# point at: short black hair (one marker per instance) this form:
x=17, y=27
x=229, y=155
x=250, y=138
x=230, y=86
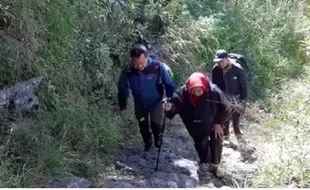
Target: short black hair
x=138, y=50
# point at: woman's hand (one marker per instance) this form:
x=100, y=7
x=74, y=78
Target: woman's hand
x=167, y=105
x=219, y=133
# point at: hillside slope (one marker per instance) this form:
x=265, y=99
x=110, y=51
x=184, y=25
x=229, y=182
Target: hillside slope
x=79, y=48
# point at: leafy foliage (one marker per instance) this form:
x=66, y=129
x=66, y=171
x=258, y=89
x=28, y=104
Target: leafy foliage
x=79, y=47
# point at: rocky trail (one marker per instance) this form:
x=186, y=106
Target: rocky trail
x=178, y=166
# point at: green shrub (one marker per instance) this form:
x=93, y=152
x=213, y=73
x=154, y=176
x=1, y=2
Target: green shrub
x=79, y=47
x=267, y=31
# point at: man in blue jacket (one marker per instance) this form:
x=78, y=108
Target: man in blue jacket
x=147, y=79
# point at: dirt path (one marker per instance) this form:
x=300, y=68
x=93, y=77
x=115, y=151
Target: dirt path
x=178, y=165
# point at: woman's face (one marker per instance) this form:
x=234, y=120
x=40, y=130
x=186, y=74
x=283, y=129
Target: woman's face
x=197, y=91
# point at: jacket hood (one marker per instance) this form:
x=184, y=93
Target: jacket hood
x=197, y=79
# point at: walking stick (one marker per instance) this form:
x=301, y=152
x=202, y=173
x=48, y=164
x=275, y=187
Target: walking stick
x=161, y=141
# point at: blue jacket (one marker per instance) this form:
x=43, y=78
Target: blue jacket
x=147, y=86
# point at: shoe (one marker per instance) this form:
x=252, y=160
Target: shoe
x=206, y=167
x=147, y=147
x=240, y=138
x=218, y=171
x=237, y=131
x=204, y=172
x=226, y=138
x=157, y=142
x=226, y=135
x=146, y=152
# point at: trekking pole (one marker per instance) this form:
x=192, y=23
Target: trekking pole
x=161, y=141
x=161, y=138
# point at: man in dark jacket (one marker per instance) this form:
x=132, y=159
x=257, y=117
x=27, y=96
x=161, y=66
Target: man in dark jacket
x=147, y=79
x=229, y=76
x=200, y=106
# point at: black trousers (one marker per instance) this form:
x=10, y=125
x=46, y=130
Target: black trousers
x=150, y=121
x=235, y=117
x=209, y=146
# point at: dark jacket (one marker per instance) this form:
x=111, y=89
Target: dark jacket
x=232, y=81
x=200, y=119
x=147, y=86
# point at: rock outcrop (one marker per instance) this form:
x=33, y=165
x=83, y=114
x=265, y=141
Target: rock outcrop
x=21, y=97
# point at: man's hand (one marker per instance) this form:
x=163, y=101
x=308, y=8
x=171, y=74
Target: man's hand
x=219, y=133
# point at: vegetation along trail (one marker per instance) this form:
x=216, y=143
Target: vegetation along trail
x=60, y=124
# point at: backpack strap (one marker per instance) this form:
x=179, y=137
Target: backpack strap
x=240, y=59
x=156, y=68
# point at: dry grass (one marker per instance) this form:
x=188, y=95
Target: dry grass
x=282, y=137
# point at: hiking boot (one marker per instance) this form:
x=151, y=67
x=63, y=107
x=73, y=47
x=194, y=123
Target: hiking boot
x=237, y=131
x=226, y=129
x=147, y=151
x=157, y=142
x=218, y=171
x=226, y=134
x=240, y=138
x=205, y=167
x=147, y=147
x=204, y=172
x=226, y=138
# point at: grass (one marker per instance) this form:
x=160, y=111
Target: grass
x=266, y=32
x=285, y=150
x=79, y=48
x=55, y=141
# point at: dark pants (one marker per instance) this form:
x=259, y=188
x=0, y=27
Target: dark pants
x=207, y=144
x=150, y=121
x=235, y=117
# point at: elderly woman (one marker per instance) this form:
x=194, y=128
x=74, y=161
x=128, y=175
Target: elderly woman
x=199, y=104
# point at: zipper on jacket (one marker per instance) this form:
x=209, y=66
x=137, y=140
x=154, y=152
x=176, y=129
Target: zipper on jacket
x=141, y=86
x=225, y=80
x=228, y=67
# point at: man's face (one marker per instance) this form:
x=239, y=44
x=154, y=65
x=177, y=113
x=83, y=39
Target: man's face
x=223, y=63
x=197, y=91
x=139, y=62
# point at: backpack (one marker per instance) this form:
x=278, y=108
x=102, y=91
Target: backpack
x=160, y=85
x=154, y=57
x=169, y=70
x=242, y=61
x=239, y=59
